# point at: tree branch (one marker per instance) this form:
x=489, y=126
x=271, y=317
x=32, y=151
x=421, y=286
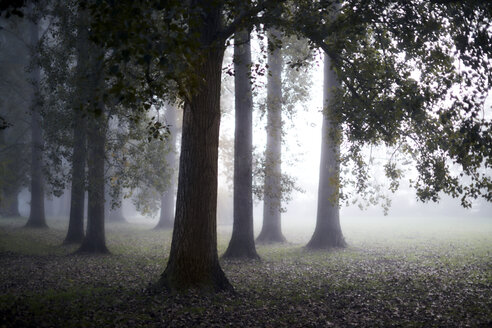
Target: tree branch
x=246, y=15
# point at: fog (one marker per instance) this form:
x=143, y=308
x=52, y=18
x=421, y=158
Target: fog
x=300, y=153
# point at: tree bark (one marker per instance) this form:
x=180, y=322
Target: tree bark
x=166, y=219
x=36, y=216
x=95, y=240
x=75, y=233
x=193, y=261
x=242, y=244
x=271, y=231
x=328, y=232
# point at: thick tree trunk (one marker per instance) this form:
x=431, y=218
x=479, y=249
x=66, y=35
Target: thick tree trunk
x=95, y=240
x=193, y=261
x=75, y=233
x=328, y=232
x=271, y=231
x=97, y=124
x=166, y=219
x=36, y=216
x=242, y=244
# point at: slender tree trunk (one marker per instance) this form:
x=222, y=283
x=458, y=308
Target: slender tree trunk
x=75, y=233
x=36, y=216
x=328, y=232
x=242, y=244
x=166, y=219
x=193, y=261
x=271, y=231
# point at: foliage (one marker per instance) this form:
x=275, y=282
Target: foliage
x=134, y=162
x=414, y=77
x=139, y=165
x=15, y=92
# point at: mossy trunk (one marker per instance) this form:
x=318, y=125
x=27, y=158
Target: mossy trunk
x=242, y=244
x=328, y=232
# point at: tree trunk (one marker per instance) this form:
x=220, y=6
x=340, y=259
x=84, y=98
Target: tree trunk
x=75, y=233
x=328, y=232
x=242, y=244
x=193, y=261
x=271, y=231
x=166, y=219
x=36, y=216
x=95, y=240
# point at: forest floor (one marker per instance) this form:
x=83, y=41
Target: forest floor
x=391, y=274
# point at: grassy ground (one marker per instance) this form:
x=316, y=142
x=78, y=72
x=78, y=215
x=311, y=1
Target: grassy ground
x=394, y=273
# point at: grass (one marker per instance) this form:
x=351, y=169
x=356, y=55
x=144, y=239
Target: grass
x=394, y=273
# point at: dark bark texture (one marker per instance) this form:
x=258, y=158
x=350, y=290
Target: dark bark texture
x=242, y=244
x=95, y=240
x=193, y=260
x=328, y=232
x=75, y=233
x=166, y=218
x=37, y=217
x=97, y=124
x=271, y=231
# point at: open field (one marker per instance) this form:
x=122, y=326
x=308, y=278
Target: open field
x=394, y=273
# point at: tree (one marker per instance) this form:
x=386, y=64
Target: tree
x=193, y=261
x=272, y=229
x=242, y=244
x=367, y=49
x=75, y=233
x=36, y=216
x=166, y=217
x=328, y=232
x=95, y=239
x=16, y=92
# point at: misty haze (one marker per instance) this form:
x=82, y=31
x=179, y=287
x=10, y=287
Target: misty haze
x=229, y=163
